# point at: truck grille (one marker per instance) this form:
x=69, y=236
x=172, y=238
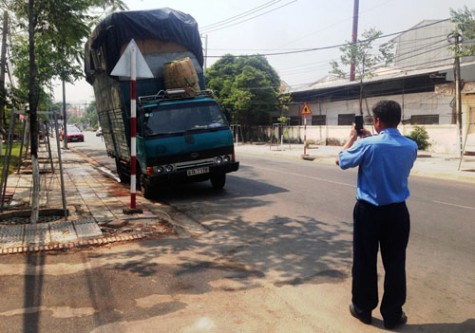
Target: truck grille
x=194, y=164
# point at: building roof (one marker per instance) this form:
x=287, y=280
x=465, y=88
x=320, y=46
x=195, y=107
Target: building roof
x=394, y=81
x=412, y=63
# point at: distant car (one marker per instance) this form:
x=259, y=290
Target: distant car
x=99, y=131
x=74, y=134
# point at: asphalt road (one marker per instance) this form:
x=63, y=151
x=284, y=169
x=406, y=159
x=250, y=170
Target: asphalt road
x=277, y=258
x=281, y=193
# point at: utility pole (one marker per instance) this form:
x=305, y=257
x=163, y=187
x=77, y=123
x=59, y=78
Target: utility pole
x=65, y=120
x=458, y=89
x=354, y=38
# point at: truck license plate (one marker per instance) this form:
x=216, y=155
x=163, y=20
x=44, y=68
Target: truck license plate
x=198, y=171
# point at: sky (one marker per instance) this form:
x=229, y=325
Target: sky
x=286, y=26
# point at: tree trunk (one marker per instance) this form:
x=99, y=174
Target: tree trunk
x=3, y=65
x=33, y=102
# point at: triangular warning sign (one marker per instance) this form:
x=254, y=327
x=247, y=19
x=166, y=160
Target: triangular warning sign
x=305, y=110
x=124, y=65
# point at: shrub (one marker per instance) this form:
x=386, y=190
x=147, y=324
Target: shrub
x=420, y=136
x=14, y=158
x=334, y=142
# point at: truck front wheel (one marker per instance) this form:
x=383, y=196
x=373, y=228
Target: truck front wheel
x=218, y=180
x=146, y=187
x=123, y=172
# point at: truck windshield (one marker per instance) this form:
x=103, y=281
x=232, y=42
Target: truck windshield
x=179, y=118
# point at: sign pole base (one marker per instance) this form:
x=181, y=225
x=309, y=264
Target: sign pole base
x=130, y=211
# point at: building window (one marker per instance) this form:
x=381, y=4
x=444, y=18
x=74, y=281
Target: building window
x=319, y=120
x=295, y=121
x=346, y=119
x=425, y=119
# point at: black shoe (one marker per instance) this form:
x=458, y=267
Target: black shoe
x=363, y=317
x=392, y=325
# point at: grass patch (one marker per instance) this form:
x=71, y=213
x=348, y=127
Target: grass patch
x=14, y=158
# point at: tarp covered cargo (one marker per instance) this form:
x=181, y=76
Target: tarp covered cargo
x=104, y=47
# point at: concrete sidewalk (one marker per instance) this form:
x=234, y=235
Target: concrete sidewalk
x=96, y=209
x=96, y=203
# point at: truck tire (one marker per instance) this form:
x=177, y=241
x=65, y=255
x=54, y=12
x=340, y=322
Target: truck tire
x=124, y=175
x=145, y=187
x=218, y=180
x=138, y=177
x=124, y=179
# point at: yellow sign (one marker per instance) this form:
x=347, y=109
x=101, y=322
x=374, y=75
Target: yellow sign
x=305, y=110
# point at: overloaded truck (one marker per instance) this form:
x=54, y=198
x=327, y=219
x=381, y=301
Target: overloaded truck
x=182, y=134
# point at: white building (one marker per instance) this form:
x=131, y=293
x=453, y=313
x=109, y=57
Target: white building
x=421, y=80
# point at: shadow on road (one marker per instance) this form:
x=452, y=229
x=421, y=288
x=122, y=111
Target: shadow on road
x=281, y=250
x=468, y=326
x=33, y=291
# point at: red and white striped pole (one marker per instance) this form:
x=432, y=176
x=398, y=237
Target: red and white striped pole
x=133, y=127
x=132, y=64
x=305, y=135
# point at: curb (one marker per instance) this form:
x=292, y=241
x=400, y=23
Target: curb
x=69, y=245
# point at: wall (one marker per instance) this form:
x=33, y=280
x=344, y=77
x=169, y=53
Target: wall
x=412, y=104
x=444, y=139
x=468, y=111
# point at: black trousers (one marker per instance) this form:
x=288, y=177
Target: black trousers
x=386, y=227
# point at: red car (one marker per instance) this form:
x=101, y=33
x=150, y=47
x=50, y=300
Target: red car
x=73, y=134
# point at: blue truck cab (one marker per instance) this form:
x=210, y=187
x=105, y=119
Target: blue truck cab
x=182, y=139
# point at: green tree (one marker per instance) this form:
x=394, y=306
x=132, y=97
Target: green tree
x=464, y=20
x=248, y=86
x=52, y=48
x=57, y=32
x=90, y=118
x=365, y=59
x=284, y=100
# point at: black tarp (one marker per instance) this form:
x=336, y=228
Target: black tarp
x=118, y=28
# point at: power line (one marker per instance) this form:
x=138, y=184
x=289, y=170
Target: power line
x=400, y=57
x=330, y=46
x=336, y=23
x=232, y=21
x=387, y=71
x=412, y=54
x=243, y=14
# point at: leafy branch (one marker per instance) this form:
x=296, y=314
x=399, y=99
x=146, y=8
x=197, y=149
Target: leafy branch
x=363, y=56
x=464, y=20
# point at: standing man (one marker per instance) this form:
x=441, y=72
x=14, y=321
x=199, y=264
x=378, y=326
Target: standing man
x=381, y=218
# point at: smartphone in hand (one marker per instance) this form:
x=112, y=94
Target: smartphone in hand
x=359, y=124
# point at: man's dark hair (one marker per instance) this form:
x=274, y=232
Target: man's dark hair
x=389, y=112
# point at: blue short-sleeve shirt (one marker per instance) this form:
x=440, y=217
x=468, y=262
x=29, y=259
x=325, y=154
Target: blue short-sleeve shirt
x=384, y=162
